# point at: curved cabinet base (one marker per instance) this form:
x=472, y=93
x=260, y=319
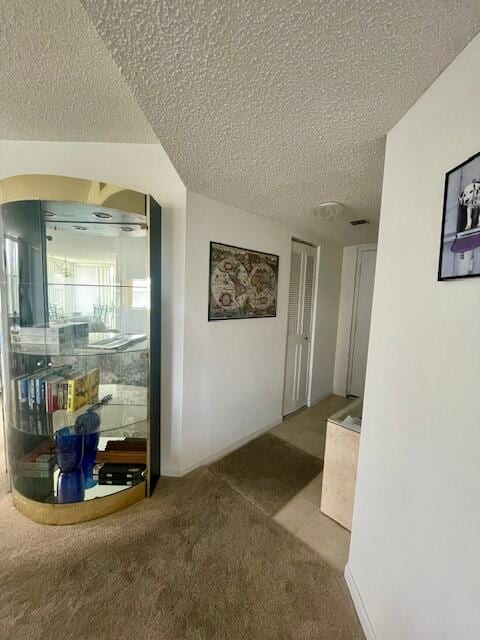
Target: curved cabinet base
x=61, y=514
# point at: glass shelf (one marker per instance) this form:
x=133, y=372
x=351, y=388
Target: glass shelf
x=126, y=411
x=127, y=408
x=41, y=349
x=45, y=485
x=98, y=491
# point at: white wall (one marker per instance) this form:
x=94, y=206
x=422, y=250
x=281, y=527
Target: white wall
x=415, y=553
x=145, y=168
x=328, y=295
x=345, y=315
x=234, y=370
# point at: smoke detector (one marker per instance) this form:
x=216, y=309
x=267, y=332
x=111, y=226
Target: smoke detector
x=329, y=211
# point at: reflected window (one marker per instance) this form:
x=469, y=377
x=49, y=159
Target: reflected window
x=94, y=296
x=140, y=293
x=13, y=273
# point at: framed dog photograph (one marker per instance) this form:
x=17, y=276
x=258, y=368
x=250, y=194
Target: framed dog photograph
x=460, y=241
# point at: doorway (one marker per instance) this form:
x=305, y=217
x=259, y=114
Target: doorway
x=362, y=311
x=300, y=323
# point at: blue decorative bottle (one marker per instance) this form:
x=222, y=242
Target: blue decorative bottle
x=69, y=444
x=88, y=425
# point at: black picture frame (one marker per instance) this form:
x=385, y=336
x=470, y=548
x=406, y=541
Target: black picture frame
x=214, y=317
x=441, y=276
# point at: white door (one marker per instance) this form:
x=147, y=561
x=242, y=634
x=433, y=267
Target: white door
x=300, y=312
x=362, y=312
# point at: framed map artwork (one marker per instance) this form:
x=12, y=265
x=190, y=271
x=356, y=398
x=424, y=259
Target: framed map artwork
x=243, y=283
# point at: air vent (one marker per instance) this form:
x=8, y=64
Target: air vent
x=360, y=221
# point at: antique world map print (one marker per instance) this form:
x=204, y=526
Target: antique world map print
x=243, y=283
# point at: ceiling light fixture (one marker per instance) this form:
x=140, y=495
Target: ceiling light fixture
x=126, y=228
x=80, y=228
x=329, y=211
x=62, y=267
x=47, y=214
x=105, y=216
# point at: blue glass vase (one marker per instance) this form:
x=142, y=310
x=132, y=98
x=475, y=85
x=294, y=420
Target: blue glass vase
x=88, y=424
x=70, y=486
x=69, y=445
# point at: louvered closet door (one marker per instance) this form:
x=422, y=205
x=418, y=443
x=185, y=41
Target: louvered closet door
x=300, y=317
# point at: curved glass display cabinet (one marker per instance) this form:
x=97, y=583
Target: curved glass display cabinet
x=80, y=299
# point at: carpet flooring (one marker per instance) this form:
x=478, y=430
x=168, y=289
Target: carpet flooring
x=195, y=562
x=268, y=471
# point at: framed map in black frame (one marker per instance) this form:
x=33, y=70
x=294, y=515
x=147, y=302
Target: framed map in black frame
x=460, y=241
x=242, y=283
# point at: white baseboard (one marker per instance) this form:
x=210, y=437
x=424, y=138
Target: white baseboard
x=359, y=605
x=320, y=398
x=170, y=473
x=226, y=450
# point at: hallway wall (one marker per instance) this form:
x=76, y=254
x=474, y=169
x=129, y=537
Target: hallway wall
x=414, y=559
x=345, y=317
x=234, y=370
x=328, y=297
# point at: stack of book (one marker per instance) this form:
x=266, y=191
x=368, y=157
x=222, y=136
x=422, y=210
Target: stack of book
x=42, y=393
x=59, y=388
x=39, y=463
x=119, y=474
x=132, y=451
x=123, y=462
x=114, y=341
x=59, y=339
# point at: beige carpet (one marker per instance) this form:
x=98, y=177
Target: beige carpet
x=195, y=562
x=268, y=471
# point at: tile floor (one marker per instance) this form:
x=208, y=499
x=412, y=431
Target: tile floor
x=302, y=516
x=306, y=429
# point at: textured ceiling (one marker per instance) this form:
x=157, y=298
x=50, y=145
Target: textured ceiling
x=269, y=106
x=57, y=79
x=275, y=106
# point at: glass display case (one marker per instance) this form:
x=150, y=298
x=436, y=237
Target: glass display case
x=80, y=304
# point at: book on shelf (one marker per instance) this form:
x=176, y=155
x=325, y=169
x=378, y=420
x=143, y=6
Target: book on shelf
x=120, y=474
x=116, y=341
x=39, y=463
x=42, y=348
x=40, y=394
x=30, y=393
x=125, y=457
x=128, y=451
x=127, y=444
x=83, y=389
x=53, y=340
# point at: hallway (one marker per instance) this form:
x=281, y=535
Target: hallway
x=263, y=471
